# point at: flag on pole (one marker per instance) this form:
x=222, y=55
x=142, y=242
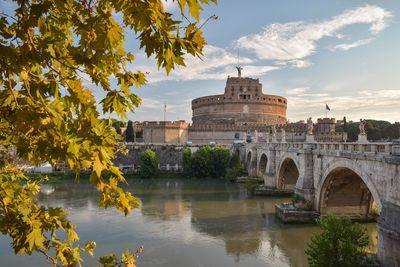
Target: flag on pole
x=165, y=107
x=327, y=107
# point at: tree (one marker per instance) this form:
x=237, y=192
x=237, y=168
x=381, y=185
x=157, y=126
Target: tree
x=48, y=49
x=148, y=164
x=219, y=159
x=186, y=162
x=344, y=124
x=340, y=243
x=130, y=134
x=207, y=162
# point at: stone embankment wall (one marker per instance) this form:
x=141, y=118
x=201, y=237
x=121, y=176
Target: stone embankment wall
x=169, y=156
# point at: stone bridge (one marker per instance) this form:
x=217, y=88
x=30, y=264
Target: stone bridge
x=355, y=179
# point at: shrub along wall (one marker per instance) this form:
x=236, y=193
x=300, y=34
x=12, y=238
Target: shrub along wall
x=210, y=162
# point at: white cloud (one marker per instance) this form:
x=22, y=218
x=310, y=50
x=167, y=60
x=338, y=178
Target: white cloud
x=296, y=91
x=298, y=40
x=379, y=104
x=216, y=64
x=150, y=103
x=352, y=45
x=298, y=63
x=288, y=44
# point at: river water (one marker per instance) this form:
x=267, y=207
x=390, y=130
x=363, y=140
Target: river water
x=182, y=223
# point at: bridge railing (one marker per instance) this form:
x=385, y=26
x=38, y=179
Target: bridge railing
x=381, y=148
x=373, y=148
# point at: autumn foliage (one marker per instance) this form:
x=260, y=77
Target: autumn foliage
x=52, y=54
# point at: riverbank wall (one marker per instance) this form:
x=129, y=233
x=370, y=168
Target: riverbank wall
x=169, y=156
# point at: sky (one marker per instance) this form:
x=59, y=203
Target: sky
x=341, y=53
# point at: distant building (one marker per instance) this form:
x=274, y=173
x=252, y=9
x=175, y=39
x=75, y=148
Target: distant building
x=324, y=131
x=242, y=103
x=173, y=132
x=241, y=111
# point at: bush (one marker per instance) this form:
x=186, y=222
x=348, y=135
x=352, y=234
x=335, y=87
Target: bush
x=211, y=162
x=149, y=165
x=340, y=243
x=186, y=162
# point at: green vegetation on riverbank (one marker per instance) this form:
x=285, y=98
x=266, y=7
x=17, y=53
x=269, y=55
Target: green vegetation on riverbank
x=210, y=162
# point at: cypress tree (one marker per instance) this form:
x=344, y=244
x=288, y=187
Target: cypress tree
x=129, y=134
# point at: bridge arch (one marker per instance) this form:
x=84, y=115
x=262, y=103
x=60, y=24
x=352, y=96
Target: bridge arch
x=262, y=165
x=288, y=173
x=346, y=189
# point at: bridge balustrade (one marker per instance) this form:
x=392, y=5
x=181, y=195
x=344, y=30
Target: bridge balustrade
x=377, y=148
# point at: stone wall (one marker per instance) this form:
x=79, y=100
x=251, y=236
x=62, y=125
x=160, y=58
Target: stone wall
x=170, y=132
x=168, y=155
x=218, y=136
x=243, y=102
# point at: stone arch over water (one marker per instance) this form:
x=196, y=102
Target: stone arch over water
x=345, y=192
x=262, y=166
x=353, y=172
x=288, y=174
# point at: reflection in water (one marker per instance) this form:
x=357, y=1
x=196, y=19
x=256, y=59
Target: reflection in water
x=183, y=223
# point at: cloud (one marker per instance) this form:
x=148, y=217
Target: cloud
x=379, y=104
x=215, y=64
x=278, y=46
x=150, y=103
x=298, y=40
x=352, y=45
x=296, y=91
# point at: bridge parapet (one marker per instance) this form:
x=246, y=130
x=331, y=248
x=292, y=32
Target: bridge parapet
x=375, y=148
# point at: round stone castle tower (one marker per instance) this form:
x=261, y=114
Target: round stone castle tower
x=242, y=103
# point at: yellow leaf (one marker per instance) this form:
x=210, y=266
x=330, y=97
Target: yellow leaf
x=97, y=165
x=24, y=75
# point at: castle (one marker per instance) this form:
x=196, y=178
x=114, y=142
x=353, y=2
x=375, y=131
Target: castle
x=242, y=113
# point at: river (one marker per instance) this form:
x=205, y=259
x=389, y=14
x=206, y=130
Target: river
x=181, y=223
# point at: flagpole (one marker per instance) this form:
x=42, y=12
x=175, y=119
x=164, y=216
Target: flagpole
x=165, y=111
x=326, y=111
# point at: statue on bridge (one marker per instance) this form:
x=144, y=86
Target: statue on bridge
x=310, y=126
x=273, y=131
x=283, y=135
x=361, y=127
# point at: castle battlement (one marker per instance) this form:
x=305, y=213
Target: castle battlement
x=165, y=124
x=242, y=102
